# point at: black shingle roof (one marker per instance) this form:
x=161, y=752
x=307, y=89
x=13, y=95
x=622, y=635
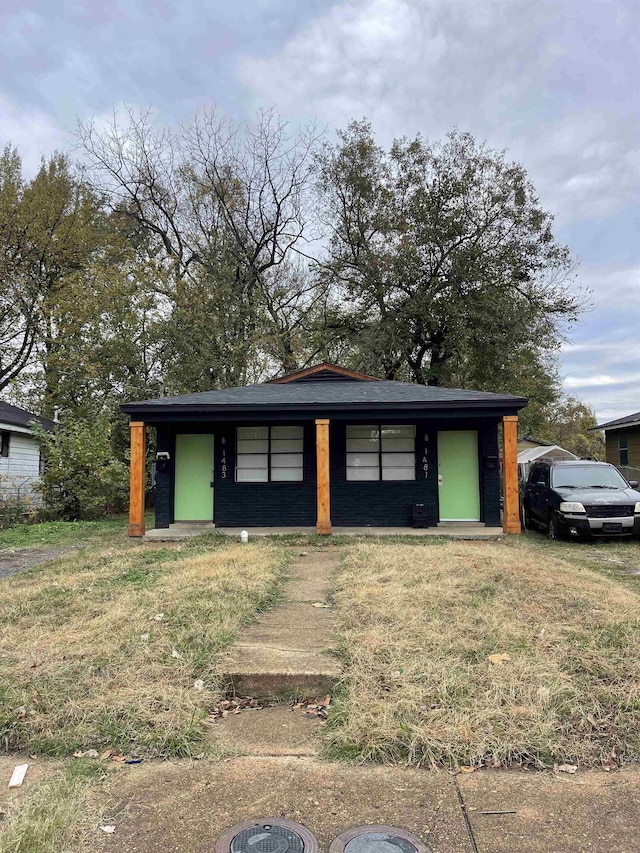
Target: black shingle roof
x=20, y=417
x=627, y=419
x=326, y=394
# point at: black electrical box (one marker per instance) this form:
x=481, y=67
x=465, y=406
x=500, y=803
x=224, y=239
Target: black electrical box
x=419, y=515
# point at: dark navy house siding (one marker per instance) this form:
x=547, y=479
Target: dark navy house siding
x=164, y=480
x=379, y=504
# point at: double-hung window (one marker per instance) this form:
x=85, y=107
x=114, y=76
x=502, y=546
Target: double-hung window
x=269, y=454
x=5, y=438
x=381, y=452
x=623, y=450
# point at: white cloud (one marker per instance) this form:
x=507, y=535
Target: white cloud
x=33, y=133
x=601, y=380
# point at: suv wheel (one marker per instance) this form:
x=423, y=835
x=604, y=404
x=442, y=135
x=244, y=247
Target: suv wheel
x=554, y=528
x=526, y=518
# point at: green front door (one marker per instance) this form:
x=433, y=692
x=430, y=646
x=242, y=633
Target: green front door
x=194, y=475
x=458, y=480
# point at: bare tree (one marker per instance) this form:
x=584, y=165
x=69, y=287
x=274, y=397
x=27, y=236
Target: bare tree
x=224, y=206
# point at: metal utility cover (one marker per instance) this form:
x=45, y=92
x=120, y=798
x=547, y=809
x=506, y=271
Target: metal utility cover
x=378, y=839
x=267, y=835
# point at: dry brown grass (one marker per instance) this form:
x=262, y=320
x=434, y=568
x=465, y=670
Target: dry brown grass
x=418, y=624
x=59, y=813
x=74, y=655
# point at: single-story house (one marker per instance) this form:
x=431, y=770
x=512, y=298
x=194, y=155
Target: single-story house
x=20, y=462
x=622, y=444
x=327, y=447
x=531, y=449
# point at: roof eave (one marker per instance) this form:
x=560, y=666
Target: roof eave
x=509, y=404
x=614, y=426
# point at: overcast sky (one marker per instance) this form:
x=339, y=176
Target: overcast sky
x=556, y=83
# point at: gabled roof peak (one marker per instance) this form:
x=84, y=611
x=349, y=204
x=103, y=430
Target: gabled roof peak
x=325, y=372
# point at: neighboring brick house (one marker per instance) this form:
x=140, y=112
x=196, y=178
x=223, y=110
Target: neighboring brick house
x=622, y=438
x=327, y=446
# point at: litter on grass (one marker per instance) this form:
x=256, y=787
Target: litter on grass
x=17, y=777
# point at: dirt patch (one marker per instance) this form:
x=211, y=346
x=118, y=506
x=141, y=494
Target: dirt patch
x=24, y=558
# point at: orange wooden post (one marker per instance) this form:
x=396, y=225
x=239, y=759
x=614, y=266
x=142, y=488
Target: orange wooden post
x=137, y=479
x=323, y=524
x=511, y=510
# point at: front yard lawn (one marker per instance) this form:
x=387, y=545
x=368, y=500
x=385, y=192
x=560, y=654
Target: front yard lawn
x=474, y=653
x=102, y=647
x=60, y=533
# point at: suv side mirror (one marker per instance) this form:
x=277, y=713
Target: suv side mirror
x=633, y=484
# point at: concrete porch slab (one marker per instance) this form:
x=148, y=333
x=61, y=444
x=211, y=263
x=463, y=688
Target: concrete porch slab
x=448, y=530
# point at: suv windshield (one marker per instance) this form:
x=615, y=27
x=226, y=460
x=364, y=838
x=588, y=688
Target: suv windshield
x=588, y=476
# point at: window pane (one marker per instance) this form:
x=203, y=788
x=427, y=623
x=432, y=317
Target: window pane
x=286, y=432
x=253, y=445
x=399, y=473
x=362, y=460
x=398, y=444
x=364, y=431
x=286, y=445
x=253, y=432
x=362, y=474
x=286, y=460
x=356, y=444
x=252, y=475
x=252, y=460
x=623, y=442
x=398, y=460
x=279, y=474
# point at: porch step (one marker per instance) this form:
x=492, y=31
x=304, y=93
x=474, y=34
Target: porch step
x=181, y=525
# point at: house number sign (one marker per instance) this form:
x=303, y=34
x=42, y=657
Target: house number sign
x=223, y=467
x=425, y=464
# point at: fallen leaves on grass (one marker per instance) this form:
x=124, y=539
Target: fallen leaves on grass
x=499, y=658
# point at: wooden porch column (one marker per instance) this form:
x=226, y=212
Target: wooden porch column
x=137, y=479
x=323, y=523
x=511, y=509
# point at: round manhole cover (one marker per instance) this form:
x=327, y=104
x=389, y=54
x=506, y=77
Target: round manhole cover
x=378, y=839
x=267, y=835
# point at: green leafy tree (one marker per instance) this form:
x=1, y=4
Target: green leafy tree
x=82, y=478
x=444, y=257
x=569, y=422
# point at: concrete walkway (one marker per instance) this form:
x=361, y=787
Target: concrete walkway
x=287, y=650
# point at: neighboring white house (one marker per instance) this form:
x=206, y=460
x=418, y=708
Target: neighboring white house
x=531, y=449
x=19, y=452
